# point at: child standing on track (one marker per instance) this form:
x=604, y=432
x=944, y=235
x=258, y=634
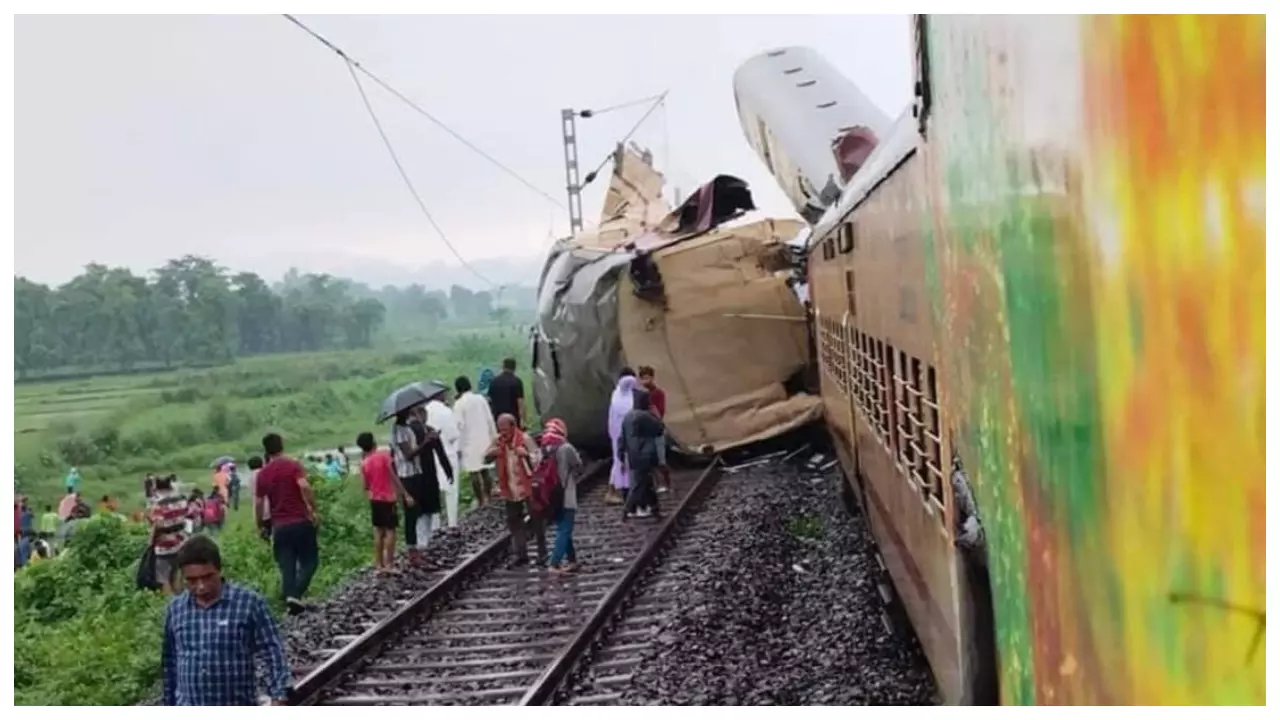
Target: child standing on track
x=382, y=487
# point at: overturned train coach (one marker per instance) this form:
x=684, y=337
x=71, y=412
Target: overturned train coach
x=1051, y=268
x=697, y=293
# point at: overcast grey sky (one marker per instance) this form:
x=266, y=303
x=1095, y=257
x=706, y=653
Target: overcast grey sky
x=140, y=138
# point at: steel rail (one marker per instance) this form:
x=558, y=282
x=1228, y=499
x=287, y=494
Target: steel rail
x=548, y=685
x=307, y=690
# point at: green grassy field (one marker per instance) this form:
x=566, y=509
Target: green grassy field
x=83, y=634
x=116, y=429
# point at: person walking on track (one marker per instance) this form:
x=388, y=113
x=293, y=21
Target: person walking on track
x=477, y=430
x=517, y=455
x=658, y=401
x=640, y=433
x=382, y=488
x=565, y=468
x=619, y=405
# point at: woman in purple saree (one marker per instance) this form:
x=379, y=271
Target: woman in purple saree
x=619, y=406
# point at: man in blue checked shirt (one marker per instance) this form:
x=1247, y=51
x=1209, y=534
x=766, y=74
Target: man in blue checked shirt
x=213, y=632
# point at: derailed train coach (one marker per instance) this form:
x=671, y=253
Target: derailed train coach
x=696, y=293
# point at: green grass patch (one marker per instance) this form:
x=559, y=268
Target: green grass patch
x=807, y=526
x=83, y=634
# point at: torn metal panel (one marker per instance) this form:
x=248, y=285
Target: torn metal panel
x=689, y=304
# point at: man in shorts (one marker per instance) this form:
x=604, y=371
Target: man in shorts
x=383, y=489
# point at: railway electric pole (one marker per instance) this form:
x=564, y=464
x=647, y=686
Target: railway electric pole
x=572, y=176
x=572, y=172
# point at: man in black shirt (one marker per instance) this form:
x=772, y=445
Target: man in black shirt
x=506, y=393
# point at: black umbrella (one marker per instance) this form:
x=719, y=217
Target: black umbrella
x=408, y=397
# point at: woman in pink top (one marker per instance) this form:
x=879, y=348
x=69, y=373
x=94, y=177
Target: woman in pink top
x=383, y=489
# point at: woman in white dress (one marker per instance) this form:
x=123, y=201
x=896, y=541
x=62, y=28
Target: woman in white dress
x=477, y=430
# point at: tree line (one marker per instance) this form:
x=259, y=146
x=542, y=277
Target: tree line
x=192, y=311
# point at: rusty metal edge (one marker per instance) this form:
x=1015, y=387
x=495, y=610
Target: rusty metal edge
x=544, y=689
x=307, y=690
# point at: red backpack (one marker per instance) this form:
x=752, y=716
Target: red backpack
x=212, y=513
x=547, y=495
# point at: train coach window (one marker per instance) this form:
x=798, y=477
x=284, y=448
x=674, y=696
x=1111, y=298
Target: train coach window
x=807, y=83
x=895, y=441
x=864, y=380
x=933, y=441
x=842, y=340
x=906, y=458
x=883, y=386
x=848, y=291
x=825, y=348
x=873, y=388
x=844, y=242
x=915, y=400
x=859, y=388
x=792, y=71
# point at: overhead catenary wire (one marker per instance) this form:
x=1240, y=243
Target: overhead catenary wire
x=657, y=102
x=620, y=106
x=353, y=63
x=386, y=141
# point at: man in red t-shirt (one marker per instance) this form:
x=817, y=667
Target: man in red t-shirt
x=657, y=403
x=383, y=488
x=283, y=483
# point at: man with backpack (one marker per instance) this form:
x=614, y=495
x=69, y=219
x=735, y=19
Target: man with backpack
x=557, y=477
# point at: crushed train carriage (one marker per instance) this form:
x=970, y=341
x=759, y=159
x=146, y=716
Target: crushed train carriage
x=696, y=293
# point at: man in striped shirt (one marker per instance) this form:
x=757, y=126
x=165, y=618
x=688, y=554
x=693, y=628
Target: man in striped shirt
x=168, y=516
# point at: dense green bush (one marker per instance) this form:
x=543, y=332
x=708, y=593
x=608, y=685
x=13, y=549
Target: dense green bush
x=83, y=635
x=78, y=449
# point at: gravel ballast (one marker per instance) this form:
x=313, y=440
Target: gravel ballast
x=367, y=596
x=781, y=605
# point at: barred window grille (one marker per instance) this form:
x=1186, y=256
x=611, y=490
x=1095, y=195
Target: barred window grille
x=933, y=440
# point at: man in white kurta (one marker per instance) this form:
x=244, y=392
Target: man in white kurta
x=477, y=428
x=440, y=417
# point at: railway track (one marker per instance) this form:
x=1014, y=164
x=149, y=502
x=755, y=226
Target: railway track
x=487, y=634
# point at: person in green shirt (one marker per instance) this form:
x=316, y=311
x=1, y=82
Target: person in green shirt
x=49, y=522
x=72, y=481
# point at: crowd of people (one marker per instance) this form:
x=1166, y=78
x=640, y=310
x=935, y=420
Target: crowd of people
x=214, y=631
x=37, y=539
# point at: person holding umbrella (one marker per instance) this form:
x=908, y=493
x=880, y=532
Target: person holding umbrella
x=411, y=448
